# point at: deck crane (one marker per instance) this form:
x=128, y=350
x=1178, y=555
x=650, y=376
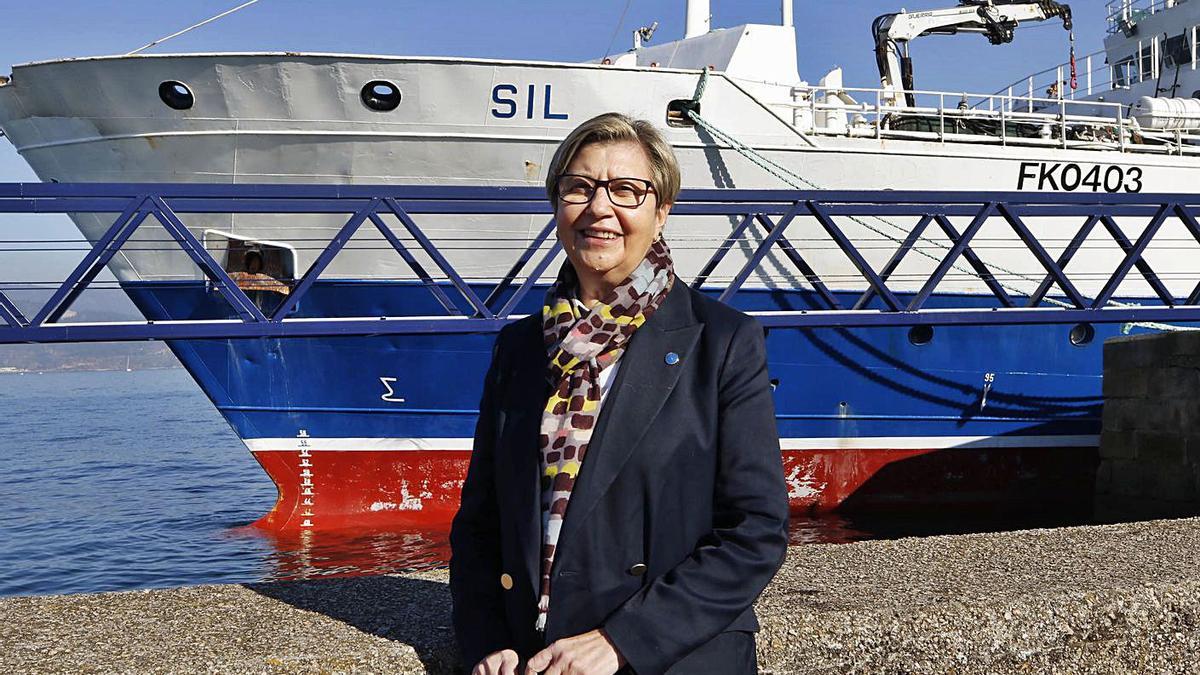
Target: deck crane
x=995, y=19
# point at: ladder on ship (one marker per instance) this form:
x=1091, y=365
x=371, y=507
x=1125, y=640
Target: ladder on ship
x=778, y=234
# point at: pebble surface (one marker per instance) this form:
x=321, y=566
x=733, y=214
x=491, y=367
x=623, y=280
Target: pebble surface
x=1104, y=599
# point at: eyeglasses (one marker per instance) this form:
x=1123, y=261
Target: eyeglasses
x=624, y=192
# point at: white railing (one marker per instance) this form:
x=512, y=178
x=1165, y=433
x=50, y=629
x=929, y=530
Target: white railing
x=1092, y=73
x=1096, y=76
x=957, y=117
x=1129, y=12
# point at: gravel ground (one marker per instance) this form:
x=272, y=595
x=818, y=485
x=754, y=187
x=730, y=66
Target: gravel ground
x=1108, y=599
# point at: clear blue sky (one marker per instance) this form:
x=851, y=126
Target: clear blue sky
x=828, y=33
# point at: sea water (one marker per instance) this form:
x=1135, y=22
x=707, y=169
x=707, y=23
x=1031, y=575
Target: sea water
x=123, y=480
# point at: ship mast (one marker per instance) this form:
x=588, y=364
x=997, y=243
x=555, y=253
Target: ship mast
x=699, y=17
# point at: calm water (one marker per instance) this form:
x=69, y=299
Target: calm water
x=132, y=480
x=123, y=480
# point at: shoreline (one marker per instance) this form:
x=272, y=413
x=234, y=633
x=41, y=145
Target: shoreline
x=57, y=371
x=1120, y=598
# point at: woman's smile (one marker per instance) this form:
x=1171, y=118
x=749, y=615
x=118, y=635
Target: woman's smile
x=598, y=239
x=601, y=235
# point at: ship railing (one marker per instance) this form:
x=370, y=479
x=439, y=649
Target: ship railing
x=824, y=258
x=960, y=117
x=1093, y=75
x=1121, y=14
x=1153, y=53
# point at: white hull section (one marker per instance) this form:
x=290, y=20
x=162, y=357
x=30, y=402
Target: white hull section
x=300, y=119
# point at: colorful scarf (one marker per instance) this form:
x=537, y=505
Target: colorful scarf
x=582, y=343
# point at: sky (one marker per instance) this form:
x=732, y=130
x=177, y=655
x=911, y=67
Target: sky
x=829, y=34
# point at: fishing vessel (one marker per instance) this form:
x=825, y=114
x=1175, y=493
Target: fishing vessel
x=376, y=431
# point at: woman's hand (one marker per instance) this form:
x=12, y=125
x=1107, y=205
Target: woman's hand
x=503, y=662
x=588, y=654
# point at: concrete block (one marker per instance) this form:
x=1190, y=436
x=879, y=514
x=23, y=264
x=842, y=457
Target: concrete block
x=1166, y=451
x=1162, y=416
x=1118, y=444
x=1128, y=479
x=1126, y=382
x=1183, y=343
x=1104, y=476
x=1180, y=348
x=1139, y=479
x=1187, y=415
x=1171, y=384
x=1183, y=361
x=1126, y=414
x=1129, y=352
x=1179, y=486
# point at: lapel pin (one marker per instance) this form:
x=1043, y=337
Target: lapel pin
x=672, y=358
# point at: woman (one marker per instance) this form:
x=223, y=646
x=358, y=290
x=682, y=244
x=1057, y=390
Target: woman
x=625, y=502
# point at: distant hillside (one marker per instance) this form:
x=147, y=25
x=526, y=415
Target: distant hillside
x=86, y=356
x=89, y=356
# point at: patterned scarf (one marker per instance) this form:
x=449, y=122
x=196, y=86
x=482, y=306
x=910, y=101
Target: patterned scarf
x=582, y=343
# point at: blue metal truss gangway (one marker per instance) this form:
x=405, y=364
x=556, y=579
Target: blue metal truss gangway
x=773, y=211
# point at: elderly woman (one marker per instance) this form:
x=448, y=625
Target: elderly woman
x=625, y=502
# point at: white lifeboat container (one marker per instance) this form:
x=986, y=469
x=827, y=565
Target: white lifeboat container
x=1167, y=114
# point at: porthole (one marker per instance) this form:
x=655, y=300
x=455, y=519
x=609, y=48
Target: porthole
x=176, y=95
x=920, y=335
x=1082, y=334
x=380, y=95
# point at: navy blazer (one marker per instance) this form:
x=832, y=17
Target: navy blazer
x=678, y=518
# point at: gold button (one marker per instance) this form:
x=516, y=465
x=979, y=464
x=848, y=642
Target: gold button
x=506, y=581
x=638, y=569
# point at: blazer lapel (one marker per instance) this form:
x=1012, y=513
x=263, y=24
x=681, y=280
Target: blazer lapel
x=519, y=494
x=644, y=381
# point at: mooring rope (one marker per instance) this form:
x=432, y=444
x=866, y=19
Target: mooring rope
x=193, y=26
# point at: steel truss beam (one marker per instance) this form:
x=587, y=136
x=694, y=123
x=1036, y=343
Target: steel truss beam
x=773, y=211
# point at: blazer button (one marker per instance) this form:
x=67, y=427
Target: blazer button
x=506, y=581
x=638, y=569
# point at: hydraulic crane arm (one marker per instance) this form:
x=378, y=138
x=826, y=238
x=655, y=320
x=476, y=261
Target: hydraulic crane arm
x=995, y=19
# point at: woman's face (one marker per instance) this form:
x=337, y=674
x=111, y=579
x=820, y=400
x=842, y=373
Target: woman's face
x=603, y=241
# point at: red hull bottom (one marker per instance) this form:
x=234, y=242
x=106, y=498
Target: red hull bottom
x=364, y=489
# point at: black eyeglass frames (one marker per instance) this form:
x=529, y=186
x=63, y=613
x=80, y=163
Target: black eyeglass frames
x=624, y=192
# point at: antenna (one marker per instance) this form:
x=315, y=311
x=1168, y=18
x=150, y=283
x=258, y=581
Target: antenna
x=644, y=34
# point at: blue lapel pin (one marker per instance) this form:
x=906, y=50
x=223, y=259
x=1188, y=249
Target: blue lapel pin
x=672, y=358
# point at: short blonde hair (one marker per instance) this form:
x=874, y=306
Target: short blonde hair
x=616, y=127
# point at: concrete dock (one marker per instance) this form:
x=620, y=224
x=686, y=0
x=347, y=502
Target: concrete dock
x=1105, y=599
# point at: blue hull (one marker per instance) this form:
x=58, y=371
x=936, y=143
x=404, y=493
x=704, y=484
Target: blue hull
x=849, y=403
x=832, y=383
